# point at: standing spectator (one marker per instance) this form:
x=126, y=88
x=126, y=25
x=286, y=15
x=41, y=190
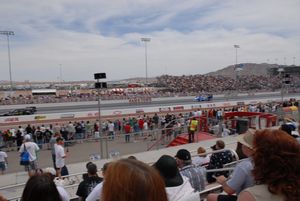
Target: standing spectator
x=127, y=129
x=32, y=148
x=217, y=160
x=52, y=146
x=111, y=130
x=78, y=132
x=196, y=175
x=60, y=156
x=19, y=139
x=276, y=168
x=192, y=128
x=39, y=136
x=29, y=130
x=3, y=161
x=88, y=184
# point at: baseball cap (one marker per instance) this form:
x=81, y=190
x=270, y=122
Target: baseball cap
x=167, y=167
x=183, y=154
x=219, y=143
x=247, y=138
x=27, y=137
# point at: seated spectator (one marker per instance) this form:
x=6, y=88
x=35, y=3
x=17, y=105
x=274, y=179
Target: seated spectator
x=202, y=159
x=88, y=184
x=196, y=175
x=290, y=129
x=97, y=191
x=40, y=187
x=51, y=172
x=276, y=168
x=130, y=180
x=241, y=177
x=217, y=160
x=178, y=187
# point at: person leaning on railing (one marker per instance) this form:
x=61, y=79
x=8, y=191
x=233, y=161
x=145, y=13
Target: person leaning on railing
x=241, y=177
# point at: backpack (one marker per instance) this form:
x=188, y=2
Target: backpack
x=24, y=157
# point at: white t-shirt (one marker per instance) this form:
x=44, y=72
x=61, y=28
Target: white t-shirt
x=96, y=193
x=111, y=127
x=3, y=155
x=59, y=156
x=63, y=193
x=32, y=148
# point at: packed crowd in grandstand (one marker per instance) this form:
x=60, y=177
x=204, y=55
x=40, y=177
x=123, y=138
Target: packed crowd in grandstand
x=166, y=86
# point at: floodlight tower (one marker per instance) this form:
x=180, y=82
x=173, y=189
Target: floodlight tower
x=146, y=40
x=9, y=33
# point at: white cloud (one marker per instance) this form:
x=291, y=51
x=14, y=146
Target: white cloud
x=188, y=37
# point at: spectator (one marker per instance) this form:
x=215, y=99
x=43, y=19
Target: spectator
x=3, y=161
x=276, y=168
x=97, y=191
x=201, y=159
x=129, y=180
x=32, y=149
x=40, y=187
x=178, y=187
x=217, y=160
x=192, y=128
x=52, y=145
x=127, y=129
x=60, y=156
x=196, y=175
x=62, y=192
x=87, y=185
x=241, y=177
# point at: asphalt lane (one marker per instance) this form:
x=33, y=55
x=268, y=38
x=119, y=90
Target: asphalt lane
x=124, y=104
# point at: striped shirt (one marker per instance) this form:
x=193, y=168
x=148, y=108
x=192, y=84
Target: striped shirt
x=196, y=176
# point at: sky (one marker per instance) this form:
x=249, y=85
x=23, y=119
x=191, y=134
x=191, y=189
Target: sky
x=73, y=39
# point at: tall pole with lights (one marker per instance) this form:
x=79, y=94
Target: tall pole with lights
x=9, y=33
x=235, y=66
x=146, y=40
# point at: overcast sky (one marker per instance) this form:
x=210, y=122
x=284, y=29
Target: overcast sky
x=83, y=37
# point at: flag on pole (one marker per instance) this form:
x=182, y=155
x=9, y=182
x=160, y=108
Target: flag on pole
x=236, y=46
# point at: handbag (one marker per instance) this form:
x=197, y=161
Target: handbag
x=24, y=157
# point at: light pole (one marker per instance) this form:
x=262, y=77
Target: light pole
x=235, y=66
x=99, y=85
x=9, y=33
x=281, y=70
x=145, y=40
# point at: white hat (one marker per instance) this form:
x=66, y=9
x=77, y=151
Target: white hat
x=27, y=137
x=247, y=138
x=50, y=170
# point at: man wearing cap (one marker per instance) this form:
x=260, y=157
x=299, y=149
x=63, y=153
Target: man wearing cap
x=32, y=148
x=88, y=184
x=196, y=175
x=241, y=177
x=217, y=161
x=178, y=187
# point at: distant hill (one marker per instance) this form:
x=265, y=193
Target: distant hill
x=246, y=69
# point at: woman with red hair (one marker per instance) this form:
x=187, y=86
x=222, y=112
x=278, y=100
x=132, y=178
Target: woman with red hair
x=276, y=168
x=132, y=180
